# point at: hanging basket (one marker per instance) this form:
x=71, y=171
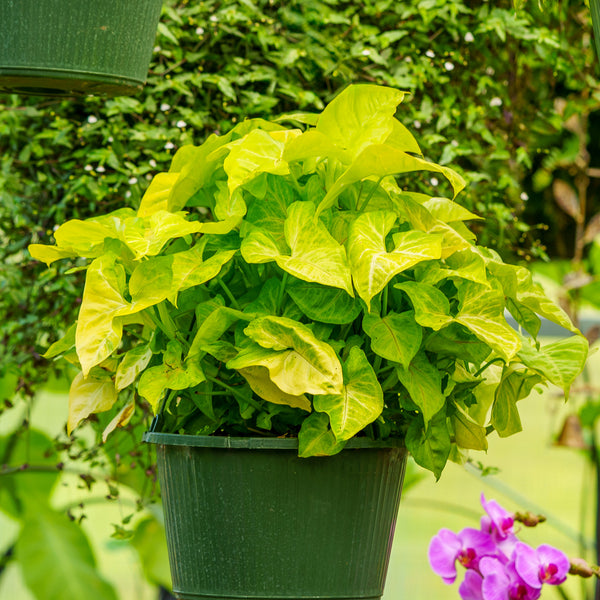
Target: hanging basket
x=247, y=518
x=76, y=47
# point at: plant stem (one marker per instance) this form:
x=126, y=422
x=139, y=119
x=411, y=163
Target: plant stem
x=281, y=292
x=234, y=392
x=368, y=199
x=228, y=293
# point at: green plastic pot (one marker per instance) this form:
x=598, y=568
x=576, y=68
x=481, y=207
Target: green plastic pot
x=247, y=518
x=595, y=10
x=76, y=47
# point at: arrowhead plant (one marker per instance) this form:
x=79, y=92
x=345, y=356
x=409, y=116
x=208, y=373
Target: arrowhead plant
x=292, y=282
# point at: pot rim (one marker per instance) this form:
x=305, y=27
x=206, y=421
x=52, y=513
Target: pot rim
x=253, y=443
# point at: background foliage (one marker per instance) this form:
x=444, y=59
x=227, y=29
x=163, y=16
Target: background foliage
x=508, y=97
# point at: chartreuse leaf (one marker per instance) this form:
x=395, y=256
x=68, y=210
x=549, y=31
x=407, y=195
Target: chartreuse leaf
x=257, y=152
x=50, y=254
x=514, y=386
x=360, y=401
x=447, y=210
x=424, y=385
x=396, y=336
x=322, y=303
x=156, y=196
x=213, y=324
x=99, y=329
x=66, y=343
x=57, y=560
x=173, y=374
x=165, y=276
x=371, y=264
x=316, y=438
x=134, y=361
x=314, y=254
x=359, y=116
x=89, y=395
x=533, y=297
x=431, y=307
x=297, y=361
x=196, y=165
x=482, y=312
x=467, y=432
x=560, y=362
x=524, y=316
x=402, y=139
x=430, y=444
x=121, y=419
x=147, y=236
x=262, y=385
x=381, y=160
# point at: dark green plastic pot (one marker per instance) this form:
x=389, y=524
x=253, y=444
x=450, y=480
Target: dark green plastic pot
x=247, y=518
x=76, y=47
x=595, y=10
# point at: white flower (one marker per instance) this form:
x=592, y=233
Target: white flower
x=454, y=143
x=496, y=101
x=490, y=71
x=149, y=176
x=156, y=49
x=100, y=169
x=469, y=37
x=448, y=65
x=433, y=181
x=408, y=59
x=199, y=30
x=128, y=194
x=366, y=52
x=152, y=163
x=92, y=119
x=430, y=53
x=181, y=124
x=417, y=124
x=110, y=139
x=165, y=107
x=132, y=180
x=213, y=18
x=88, y=168
x=524, y=196
x=169, y=146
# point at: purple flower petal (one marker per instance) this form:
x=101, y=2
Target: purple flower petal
x=527, y=564
x=500, y=520
x=554, y=565
x=443, y=551
x=470, y=588
x=496, y=582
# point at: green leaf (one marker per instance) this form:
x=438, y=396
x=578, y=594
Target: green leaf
x=524, y=316
x=423, y=382
x=560, y=362
x=467, y=432
x=482, y=312
x=432, y=308
x=514, y=386
x=173, y=374
x=371, y=264
x=430, y=445
x=57, y=560
x=262, y=385
x=149, y=540
x=316, y=438
x=66, y=343
x=297, y=361
x=134, y=361
x=396, y=337
x=321, y=303
x=359, y=403
x=89, y=395
x=99, y=330
x=459, y=342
